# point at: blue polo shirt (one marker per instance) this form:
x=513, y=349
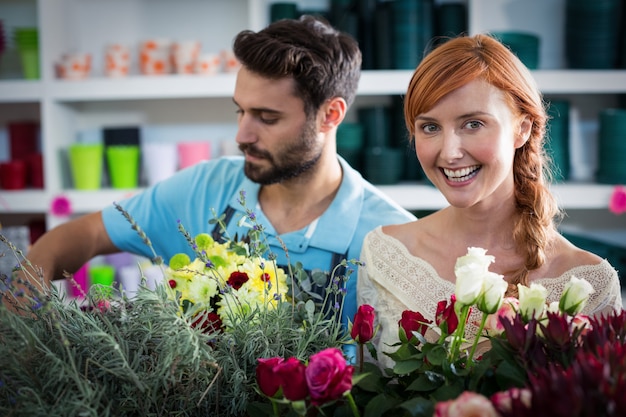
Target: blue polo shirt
x=199, y=193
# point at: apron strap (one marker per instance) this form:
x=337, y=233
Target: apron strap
x=228, y=216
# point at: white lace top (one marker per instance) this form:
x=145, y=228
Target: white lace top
x=392, y=280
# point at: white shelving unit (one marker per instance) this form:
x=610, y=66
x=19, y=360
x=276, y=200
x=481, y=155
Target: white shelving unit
x=68, y=107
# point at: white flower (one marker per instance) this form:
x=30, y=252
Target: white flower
x=532, y=300
x=575, y=296
x=470, y=271
x=492, y=294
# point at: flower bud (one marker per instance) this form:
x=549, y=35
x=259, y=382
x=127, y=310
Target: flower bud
x=265, y=376
x=507, y=311
x=412, y=321
x=362, y=329
x=575, y=296
x=291, y=376
x=532, y=300
x=490, y=298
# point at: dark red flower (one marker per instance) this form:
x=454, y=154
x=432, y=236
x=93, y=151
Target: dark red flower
x=290, y=375
x=363, y=327
x=266, y=376
x=237, y=279
x=265, y=277
x=172, y=283
x=446, y=315
x=413, y=321
x=207, y=322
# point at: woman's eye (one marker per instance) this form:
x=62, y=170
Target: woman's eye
x=429, y=128
x=474, y=124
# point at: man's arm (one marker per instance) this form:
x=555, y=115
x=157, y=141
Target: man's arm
x=68, y=246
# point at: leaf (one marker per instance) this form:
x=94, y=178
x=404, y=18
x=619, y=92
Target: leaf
x=508, y=374
x=404, y=352
x=437, y=355
x=319, y=277
x=419, y=406
x=406, y=367
x=379, y=405
x=449, y=391
x=424, y=384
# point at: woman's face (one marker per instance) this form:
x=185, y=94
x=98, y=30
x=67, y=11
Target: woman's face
x=466, y=144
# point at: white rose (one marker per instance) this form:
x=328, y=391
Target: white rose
x=494, y=287
x=470, y=271
x=575, y=296
x=532, y=300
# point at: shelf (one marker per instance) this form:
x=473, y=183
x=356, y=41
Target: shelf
x=549, y=82
x=383, y=82
x=20, y=91
x=143, y=87
x=571, y=196
x=27, y=201
x=412, y=196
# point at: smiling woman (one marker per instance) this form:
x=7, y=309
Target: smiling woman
x=478, y=123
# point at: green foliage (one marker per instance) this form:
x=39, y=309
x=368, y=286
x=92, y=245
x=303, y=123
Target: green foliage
x=143, y=356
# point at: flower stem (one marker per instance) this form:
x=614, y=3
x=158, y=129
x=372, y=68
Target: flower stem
x=275, y=408
x=459, y=333
x=470, y=363
x=353, y=407
x=360, y=357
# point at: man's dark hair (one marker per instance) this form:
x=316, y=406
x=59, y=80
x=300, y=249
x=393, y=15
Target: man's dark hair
x=324, y=62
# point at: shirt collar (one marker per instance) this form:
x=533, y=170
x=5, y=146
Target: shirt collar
x=334, y=229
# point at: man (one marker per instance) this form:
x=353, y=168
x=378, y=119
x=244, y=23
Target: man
x=297, y=80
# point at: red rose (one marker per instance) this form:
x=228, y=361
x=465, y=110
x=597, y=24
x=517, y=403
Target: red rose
x=446, y=314
x=291, y=376
x=328, y=376
x=413, y=321
x=237, y=279
x=363, y=328
x=266, y=377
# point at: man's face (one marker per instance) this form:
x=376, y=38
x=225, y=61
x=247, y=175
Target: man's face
x=278, y=140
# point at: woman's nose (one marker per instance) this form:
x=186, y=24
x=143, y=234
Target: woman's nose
x=451, y=147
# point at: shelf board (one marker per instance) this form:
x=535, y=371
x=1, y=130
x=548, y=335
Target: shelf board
x=549, y=81
x=23, y=201
x=143, y=88
x=20, y=91
x=570, y=196
x=373, y=82
x=412, y=196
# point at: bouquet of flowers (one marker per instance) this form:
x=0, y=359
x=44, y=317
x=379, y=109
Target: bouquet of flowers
x=187, y=348
x=542, y=359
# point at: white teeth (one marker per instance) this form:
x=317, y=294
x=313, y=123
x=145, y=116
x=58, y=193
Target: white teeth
x=462, y=174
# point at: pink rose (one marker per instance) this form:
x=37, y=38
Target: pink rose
x=507, y=401
x=508, y=310
x=291, y=376
x=363, y=327
x=328, y=376
x=581, y=322
x=468, y=404
x=265, y=376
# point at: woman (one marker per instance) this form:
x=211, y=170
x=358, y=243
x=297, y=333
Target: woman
x=478, y=121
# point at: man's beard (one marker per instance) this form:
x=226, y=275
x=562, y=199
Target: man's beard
x=290, y=162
